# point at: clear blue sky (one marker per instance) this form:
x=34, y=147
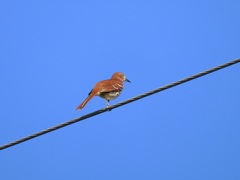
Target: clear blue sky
x=53, y=52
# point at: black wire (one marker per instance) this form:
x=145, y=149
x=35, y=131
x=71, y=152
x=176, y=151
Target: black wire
x=119, y=104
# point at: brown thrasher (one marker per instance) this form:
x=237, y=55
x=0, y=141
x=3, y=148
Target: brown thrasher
x=107, y=89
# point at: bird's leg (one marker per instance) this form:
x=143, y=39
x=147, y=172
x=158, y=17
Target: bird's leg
x=108, y=105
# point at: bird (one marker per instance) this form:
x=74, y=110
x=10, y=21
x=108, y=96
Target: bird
x=107, y=89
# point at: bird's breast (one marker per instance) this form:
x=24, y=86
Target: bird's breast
x=110, y=95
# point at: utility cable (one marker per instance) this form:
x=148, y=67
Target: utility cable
x=120, y=104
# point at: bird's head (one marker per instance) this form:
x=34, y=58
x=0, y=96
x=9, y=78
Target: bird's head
x=120, y=76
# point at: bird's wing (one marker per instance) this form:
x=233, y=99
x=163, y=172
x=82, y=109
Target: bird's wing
x=110, y=85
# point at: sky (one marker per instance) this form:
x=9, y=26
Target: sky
x=54, y=52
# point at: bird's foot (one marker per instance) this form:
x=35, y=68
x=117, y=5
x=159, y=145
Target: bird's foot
x=108, y=107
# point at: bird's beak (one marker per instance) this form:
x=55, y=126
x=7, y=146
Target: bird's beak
x=127, y=80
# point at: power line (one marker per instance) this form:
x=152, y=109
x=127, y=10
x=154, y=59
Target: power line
x=120, y=104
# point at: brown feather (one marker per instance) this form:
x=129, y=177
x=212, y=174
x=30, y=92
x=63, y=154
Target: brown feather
x=91, y=95
x=107, y=89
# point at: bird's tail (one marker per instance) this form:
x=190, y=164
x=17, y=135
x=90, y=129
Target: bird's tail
x=91, y=95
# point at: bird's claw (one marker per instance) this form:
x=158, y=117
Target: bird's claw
x=108, y=107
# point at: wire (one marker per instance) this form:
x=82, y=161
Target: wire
x=119, y=104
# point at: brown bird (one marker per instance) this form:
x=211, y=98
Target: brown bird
x=107, y=89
